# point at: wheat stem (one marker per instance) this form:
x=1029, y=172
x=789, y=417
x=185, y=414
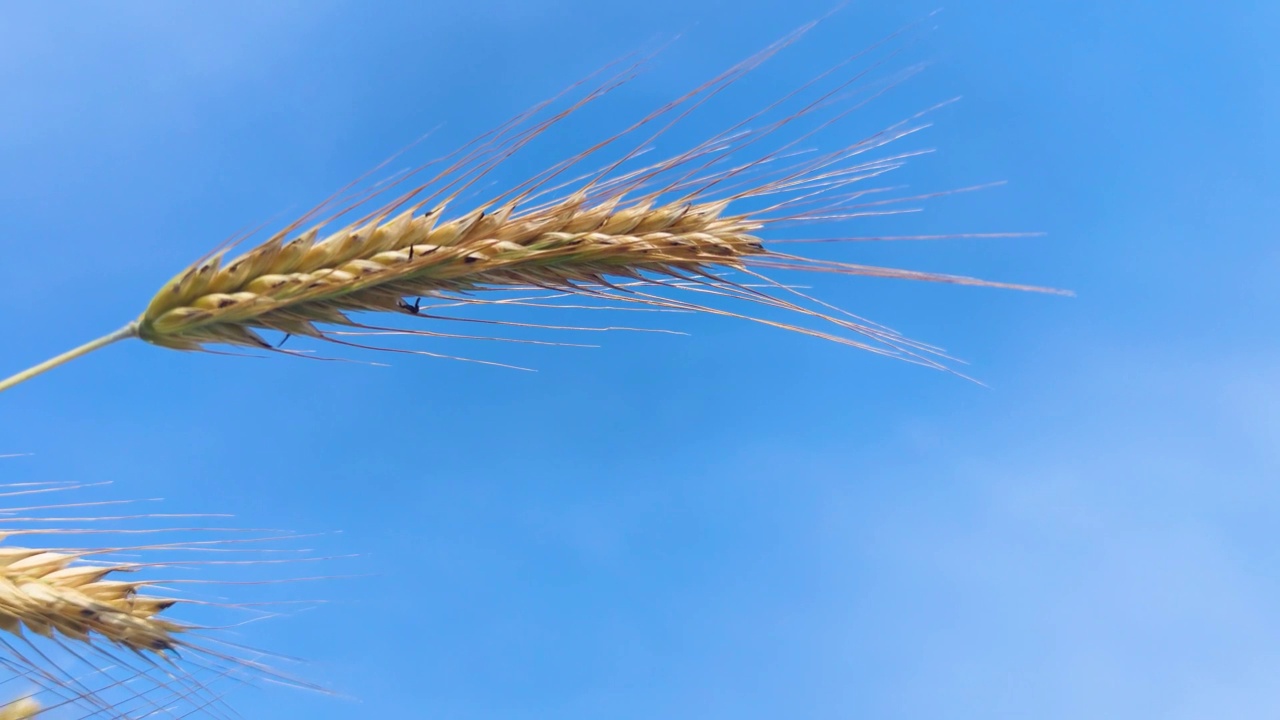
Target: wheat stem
x=124, y=333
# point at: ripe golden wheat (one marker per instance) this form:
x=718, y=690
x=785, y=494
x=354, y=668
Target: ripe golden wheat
x=86, y=640
x=631, y=236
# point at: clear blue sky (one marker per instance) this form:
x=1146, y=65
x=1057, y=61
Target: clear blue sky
x=738, y=524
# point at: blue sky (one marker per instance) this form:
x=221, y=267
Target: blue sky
x=740, y=523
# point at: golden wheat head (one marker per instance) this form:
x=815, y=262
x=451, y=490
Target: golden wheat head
x=684, y=234
x=91, y=629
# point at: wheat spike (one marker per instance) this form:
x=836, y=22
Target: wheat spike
x=92, y=640
x=45, y=593
x=626, y=234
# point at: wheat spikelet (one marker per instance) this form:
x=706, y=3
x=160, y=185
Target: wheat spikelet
x=634, y=234
x=96, y=643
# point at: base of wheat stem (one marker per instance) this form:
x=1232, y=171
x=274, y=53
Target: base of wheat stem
x=124, y=333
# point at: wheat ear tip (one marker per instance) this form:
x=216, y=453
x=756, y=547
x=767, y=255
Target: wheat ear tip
x=23, y=709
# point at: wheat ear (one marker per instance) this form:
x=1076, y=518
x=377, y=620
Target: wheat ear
x=629, y=233
x=88, y=638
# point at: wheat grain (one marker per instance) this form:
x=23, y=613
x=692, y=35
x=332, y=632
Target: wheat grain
x=635, y=235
